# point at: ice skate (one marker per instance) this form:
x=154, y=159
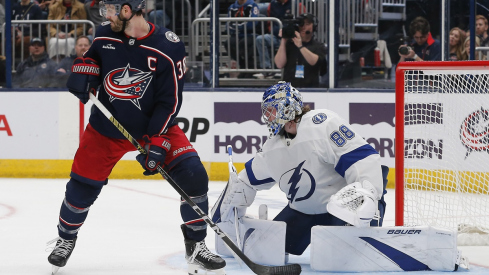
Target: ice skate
x=61, y=252
x=200, y=260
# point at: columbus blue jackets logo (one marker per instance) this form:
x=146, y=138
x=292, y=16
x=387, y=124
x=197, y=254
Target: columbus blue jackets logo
x=298, y=192
x=474, y=132
x=127, y=84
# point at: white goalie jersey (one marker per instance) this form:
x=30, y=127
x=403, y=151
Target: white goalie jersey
x=325, y=156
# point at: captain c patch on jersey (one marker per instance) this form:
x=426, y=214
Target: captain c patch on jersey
x=127, y=84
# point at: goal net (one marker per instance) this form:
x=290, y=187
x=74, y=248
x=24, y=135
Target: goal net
x=442, y=147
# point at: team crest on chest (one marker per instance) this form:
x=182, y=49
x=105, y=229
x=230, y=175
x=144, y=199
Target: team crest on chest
x=299, y=182
x=127, y=84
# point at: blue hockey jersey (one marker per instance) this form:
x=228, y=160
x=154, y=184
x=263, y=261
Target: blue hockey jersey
x=141, y=80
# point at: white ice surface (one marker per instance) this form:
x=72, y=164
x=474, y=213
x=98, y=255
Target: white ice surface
x=133, y=228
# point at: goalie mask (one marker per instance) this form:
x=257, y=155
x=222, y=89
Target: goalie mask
x=113, y=7
x=281, y=103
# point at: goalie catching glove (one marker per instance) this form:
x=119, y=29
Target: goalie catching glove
x=84, y=78
x=238, y=195
x=355, y=204
x=157, y=147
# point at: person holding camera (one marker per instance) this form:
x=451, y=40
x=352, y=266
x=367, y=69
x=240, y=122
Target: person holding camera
x=424, y=47
x=264, y=43
x=302, y=57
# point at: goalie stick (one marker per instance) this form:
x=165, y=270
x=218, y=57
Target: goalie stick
x=232, y=170
x=293, y=269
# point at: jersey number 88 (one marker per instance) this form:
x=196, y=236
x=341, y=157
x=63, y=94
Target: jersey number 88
x=341, y=136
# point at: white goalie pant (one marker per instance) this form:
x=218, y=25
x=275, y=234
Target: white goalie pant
x=262, y=241
x=374, y=249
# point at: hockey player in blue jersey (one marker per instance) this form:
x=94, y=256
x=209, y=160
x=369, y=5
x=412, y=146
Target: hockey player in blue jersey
x=140, y=68
x=331, y=176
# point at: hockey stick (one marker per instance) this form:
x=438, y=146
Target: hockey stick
x=293, y=269
x=232, y=170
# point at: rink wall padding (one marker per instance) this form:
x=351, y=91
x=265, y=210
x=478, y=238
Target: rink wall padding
x=39, y=140
x=125, y=169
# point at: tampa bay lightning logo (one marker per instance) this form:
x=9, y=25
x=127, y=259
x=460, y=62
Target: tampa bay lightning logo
x=474, y=132
x=292, y=177
x=319, y=118
x=127, y=84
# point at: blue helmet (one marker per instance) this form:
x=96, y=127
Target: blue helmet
x=281, y=103
x=136, y=5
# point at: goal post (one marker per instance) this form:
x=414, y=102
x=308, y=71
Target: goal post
x=442, y=145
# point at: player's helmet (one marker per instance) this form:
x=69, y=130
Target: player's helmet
x=281, y=103
x=136, y=5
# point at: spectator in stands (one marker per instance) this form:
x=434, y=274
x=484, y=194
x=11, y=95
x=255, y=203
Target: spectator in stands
x=302, y=57
x=2, y=15
x=81, y=46
x=3, y=71
x=62, y=38
x=25, y=10
x=477, y=56
x=277, y=9
x=37, y=70
x=456, y=44
x=241, y=34
x=156, y=13
x=481, y=27
x=2, y=20
x=44, y=5
x=92, y=9
x=424, y=47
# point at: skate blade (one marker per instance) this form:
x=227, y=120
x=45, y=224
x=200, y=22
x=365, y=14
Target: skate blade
x=194, y=269
x=54, y=270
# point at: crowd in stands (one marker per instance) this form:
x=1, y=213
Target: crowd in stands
x=44, y=52
x=301, y=57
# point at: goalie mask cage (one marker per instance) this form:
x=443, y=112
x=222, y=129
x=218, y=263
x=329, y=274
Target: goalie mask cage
x=442, y=147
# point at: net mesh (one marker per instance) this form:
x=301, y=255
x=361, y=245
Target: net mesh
x=446, y=149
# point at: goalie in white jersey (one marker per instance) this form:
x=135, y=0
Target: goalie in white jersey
x=331, y=176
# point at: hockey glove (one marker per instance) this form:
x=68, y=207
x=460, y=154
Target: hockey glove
x=84, y=78
x=238, y=195
x=157, y=149
x=355, y=204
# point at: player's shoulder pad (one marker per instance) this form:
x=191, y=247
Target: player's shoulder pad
x=104, y=30
x=318, y=117
x=170, y=42
x=171, y=36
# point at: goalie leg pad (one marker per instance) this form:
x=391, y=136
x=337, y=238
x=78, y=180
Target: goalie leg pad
x=375, y=249
x=262, y=241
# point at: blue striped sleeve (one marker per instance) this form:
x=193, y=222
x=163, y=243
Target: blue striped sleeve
x=251, y=175
x=350, y=158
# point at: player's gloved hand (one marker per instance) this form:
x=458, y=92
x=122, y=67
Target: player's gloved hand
x=84, y=78
x=355, y=204
x=157, y=149
x=238, y=195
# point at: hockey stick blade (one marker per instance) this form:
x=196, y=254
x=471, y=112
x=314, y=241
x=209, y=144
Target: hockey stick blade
x=256, y=268
x=292, y=269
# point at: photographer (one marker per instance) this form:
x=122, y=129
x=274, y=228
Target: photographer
x=302, y=57
x=424, y=47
